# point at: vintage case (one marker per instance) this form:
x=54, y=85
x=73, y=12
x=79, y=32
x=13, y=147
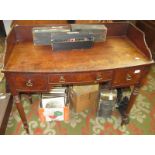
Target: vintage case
x=106, y=108
x=107, y=101
x=99, y=32
x=72, y=40
x=58, y=46
x=42, y=35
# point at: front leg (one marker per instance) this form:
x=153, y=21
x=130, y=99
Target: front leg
x=129, y=105
x=133, y=96
x=20, y=109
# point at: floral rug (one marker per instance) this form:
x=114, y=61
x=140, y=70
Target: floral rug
x=142, y=118
x=2, y=41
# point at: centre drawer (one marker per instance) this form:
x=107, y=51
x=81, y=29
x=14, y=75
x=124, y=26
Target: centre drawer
x=30, y=82
x=89, y=77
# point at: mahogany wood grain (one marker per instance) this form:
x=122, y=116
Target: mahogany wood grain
x=20, y=109
x=92, y=21
x=138, y=38
x=37, y=22
x=24, y=33
x=115, y=52
x=148, y=27
x=137, y=87
x=29, y=82
x=128, y=76
x=77, y=78
x=117, y=29
x=133, y=96
x=32, y=68
x=9, y=45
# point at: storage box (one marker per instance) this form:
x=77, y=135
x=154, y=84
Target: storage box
x=84, y=97
x=57, y=46
x=98, y=31
x=72, y=40
x=107, y=101
x=42, y=35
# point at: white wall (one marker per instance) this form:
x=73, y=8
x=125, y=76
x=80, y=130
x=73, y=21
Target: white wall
x=7, y=24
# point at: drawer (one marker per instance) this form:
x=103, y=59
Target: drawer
x=30, y=82
x=90, y=77
x=127, y=76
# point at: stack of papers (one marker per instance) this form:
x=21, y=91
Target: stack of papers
x=53, y=103
x=56, y=98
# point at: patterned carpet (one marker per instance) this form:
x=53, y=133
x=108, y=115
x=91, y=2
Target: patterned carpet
x=142, y=117
x=2, y=40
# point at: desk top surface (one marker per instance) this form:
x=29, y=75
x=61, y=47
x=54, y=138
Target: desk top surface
x=115, y=52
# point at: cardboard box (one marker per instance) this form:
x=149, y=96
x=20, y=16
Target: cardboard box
x=84, y=97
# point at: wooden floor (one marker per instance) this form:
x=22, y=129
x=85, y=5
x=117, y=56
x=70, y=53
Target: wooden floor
x=115, y=52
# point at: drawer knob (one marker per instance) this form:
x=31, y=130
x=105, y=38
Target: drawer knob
x=29, y=83
x=128, y=77
x=99, y=77
x=62, y=79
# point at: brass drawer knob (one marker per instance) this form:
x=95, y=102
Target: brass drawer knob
x=62, y=79
x=128, y=77
x=29, y=83
x=99, y=77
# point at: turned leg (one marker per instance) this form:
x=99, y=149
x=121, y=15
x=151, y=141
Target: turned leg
x=134, y=94
x=21, y=112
